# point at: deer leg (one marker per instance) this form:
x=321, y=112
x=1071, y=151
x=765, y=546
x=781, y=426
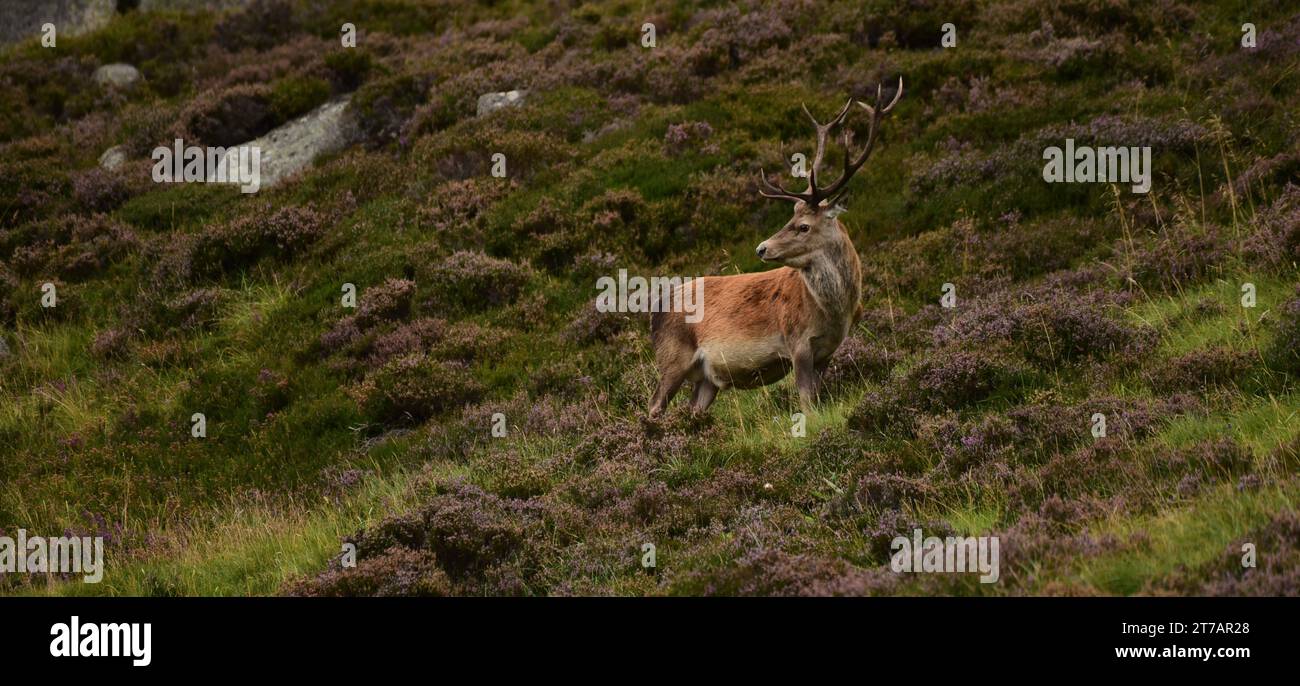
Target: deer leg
x=670, y=380
x=806, y=378
x=705, y=392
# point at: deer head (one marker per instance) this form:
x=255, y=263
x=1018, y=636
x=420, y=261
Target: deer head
x=813, y=226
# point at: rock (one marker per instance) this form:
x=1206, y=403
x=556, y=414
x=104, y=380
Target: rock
x=291, y=147
x=491, y=102
x=120, y=76
x=20, y=19
x=113, y=158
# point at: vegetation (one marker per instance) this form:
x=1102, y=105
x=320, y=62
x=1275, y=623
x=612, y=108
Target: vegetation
x=374, y=425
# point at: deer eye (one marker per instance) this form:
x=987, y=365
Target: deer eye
x=804, y=228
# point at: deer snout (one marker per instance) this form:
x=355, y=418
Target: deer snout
x=762, y=250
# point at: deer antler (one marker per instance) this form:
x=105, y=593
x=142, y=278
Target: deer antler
x=810, y=195
x=878, y=113
x=822, y=131
x=814, y=195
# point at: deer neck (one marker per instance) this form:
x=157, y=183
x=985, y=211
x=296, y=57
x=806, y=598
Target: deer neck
x=834, y=280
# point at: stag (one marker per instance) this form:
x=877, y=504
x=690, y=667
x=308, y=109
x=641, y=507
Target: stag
x=755, y=327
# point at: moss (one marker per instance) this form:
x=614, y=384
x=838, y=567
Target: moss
x=295, y=96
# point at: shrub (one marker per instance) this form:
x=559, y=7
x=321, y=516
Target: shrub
x=884, y=411
x=260, y=26
x=479, y=539
x=144, y=127
x=514, y=473
x=1275, y=242
x=342, y=337
x=1059, y=331
x=857, y=360
x=1201, y=370
x=383, y=106
x=471, y=281
x=456, y=208
x=72, y=247
x=261, y=233
x=31, y=189
x=877, y=492
x=111, y=344
x=1179, y=259
x=1204, y=462
x=1284, y=352
x=348, y=67
x=1266, y=173
x=953, y=378
x=775, y=572
x=469, y=529
x=618, y=220
x=893, y=523
x=686, y=136
x=390, y=300
x=468, y=341
x=270, y=392
x=561, y=377
x=228, y=117
x=295, y=96
x=380, y=304
x=1048, y=326
x=468, y=154
x=196, y=309
x=8, y=288
x=1224, y=457
x=416, y=387
x=1278, y=573
x=99, y=190
x=397, y=571
x=412, y=337
x=591, y=325
x=961, y=165
x=966, y=445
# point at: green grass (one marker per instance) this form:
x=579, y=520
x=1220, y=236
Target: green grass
x=1183, y=330
x=1260, y=423
x=1191, y=534
x=255, y=549
x=1187, y=537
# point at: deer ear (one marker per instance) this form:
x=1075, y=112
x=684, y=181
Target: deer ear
x=836, y=210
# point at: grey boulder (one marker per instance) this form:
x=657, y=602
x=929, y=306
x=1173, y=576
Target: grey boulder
x=291, y=147
x=120, y=76
x=113, y=158
x=491, y=102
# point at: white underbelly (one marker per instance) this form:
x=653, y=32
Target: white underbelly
x=723, y=362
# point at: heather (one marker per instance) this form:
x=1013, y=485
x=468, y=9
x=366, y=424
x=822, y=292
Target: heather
x=1100, y=397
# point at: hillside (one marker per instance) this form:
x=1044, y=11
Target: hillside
x=1175, y=313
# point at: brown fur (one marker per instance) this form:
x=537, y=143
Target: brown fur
x=756, y=327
